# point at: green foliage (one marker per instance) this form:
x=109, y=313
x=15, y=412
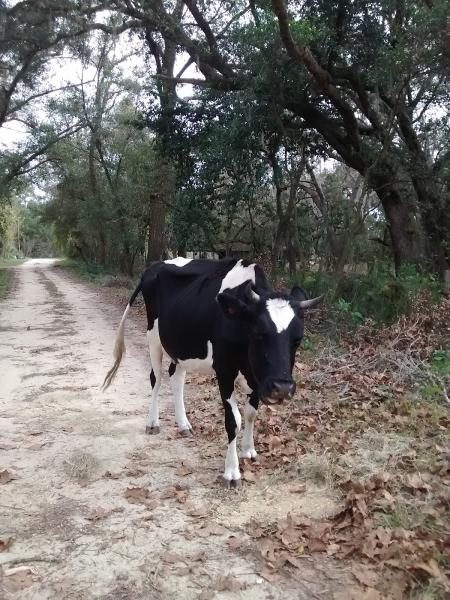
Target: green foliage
x=4, y=282
x=378, y=295
x=6, y=275
x=440, y=362
x=345, y=309
x=87, y=271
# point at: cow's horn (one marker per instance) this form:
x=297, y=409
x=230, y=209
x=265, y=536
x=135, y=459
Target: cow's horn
x=310, y=303
x=251, y=294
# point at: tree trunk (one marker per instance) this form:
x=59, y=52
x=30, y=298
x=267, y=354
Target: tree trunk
x=156, y=240
x=401, y=214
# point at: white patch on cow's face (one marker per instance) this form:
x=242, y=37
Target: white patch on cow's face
x=203, y=365
x=179, y=261
x=237, y=275
x=281, y=313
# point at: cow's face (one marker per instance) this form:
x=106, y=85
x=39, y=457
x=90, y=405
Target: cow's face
x=275, y=326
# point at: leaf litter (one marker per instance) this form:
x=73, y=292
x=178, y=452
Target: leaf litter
x=360, y=430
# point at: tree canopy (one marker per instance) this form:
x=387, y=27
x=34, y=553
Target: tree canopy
x=261, y=127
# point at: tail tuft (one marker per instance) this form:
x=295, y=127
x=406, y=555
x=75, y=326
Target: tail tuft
x=119, y=351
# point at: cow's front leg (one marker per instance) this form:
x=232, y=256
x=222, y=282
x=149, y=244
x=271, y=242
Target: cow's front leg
x=232, y=475
x=248, y=446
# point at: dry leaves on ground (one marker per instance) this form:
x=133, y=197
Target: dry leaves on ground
x=6, y=476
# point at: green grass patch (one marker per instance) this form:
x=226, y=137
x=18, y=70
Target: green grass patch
x=96, y=274
x=86, y=271
x=6, y=276
x=11, y=262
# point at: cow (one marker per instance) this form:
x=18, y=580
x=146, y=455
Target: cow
x=219, y=316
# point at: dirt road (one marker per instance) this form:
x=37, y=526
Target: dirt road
x=94, y=510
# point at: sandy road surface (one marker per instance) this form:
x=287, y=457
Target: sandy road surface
x=82, y=538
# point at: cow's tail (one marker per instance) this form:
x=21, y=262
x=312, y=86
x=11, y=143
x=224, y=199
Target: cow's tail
x=119, y=347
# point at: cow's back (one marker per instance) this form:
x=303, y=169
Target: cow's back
x=183, y=301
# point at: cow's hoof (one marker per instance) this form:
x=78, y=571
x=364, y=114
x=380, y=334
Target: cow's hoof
x=152, y=430
x=185, y=432
x=232, y=483
x=250, y=453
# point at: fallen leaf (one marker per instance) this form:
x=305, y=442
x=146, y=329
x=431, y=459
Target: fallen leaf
x=18, y=578
x=98, y=514
x=365, y=575
x=5, y=543
x=431, y=567
x=136, y=495
x=270, y=575
x=234, y=543
x=249, y=476
x=183, y=470
x=415, y=482
x=5, y=476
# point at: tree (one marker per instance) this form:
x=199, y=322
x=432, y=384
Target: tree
x=366, y=77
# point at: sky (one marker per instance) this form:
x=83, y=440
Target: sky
x=66, y=70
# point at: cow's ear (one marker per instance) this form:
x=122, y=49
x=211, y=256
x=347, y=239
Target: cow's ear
x=233, y=307
x=298, y=294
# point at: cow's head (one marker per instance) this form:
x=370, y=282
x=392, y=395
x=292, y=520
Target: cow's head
x=275, y=326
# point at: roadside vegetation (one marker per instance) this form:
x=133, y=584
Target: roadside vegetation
x=6, y=275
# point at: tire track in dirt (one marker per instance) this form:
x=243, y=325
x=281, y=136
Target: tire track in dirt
x=74, y=452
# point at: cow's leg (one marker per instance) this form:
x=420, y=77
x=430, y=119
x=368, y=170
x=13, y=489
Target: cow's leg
x=251, y=406
x=248, y=446
x=232, y=475
x=177, y=375
x=156, y=355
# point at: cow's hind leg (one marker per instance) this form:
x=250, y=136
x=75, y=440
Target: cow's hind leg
x=156, y=354
x=248, y=446
x=177, y=376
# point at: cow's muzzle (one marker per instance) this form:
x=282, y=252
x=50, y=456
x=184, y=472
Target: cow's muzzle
x=281, y=389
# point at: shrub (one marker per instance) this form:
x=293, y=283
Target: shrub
x=379, y=295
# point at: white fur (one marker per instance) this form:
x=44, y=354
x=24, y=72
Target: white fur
x=179, y=261
x=232, y=472
x=248, y=447
x=237, y=415
x=237, y=275
x=177, y=384
x=231, y=460
x=203, y=365
x=280, y=312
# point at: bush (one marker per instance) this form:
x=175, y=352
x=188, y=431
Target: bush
x=378, y=295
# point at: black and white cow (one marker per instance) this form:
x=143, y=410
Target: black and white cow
x=220, y=316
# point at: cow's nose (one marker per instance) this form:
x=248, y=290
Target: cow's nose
x=282, y=389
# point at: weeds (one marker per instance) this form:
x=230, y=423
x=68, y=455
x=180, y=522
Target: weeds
x=81, y=466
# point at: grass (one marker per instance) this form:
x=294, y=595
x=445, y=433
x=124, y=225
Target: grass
x=373, y=452
x=431, y=590
x=96, y=274
x=408, y=516
x=317, y=468
x=81, y=466
x=6, y=276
